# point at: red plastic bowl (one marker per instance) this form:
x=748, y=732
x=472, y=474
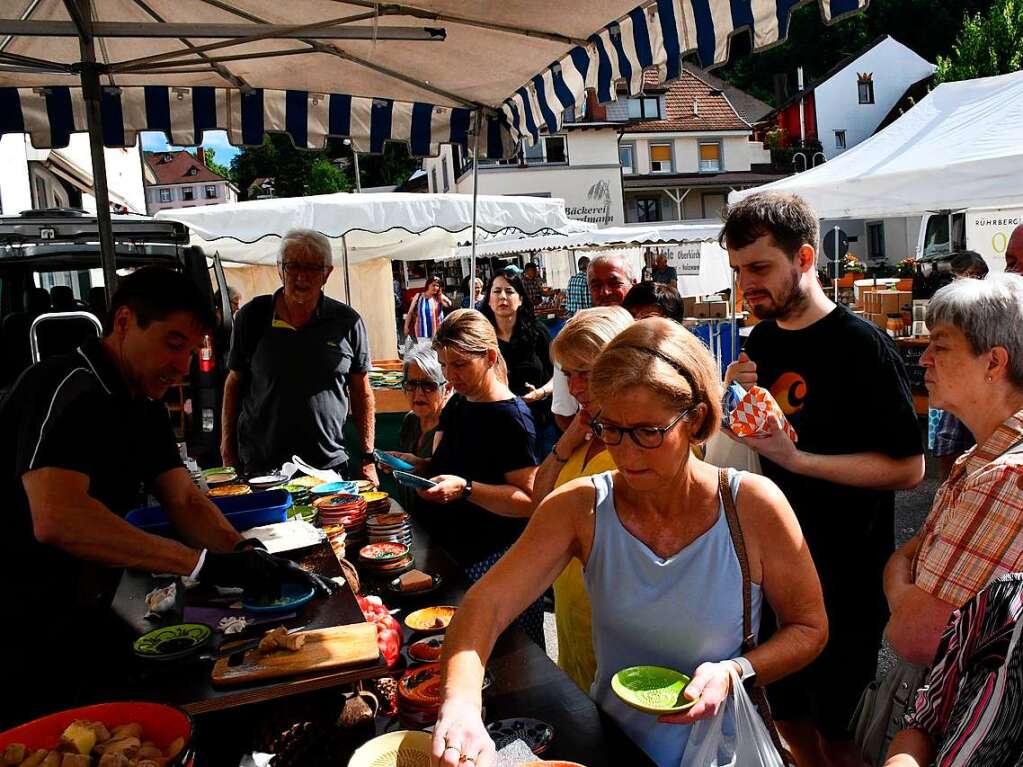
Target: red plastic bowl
x=160, y=724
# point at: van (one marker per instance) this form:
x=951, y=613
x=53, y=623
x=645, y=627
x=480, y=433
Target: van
x=50, y=265
x=983, y=230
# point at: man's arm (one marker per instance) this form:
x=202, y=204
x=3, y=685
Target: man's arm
x=194, y=515
x=229, y=419
x=364, y=412
x=65, y=516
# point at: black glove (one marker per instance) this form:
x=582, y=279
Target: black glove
x=259, y=573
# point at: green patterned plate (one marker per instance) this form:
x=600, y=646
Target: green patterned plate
x=653, y=689
x=172, y=642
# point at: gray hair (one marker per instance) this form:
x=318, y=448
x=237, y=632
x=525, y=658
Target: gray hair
x=423, y=355
x=989, y=313
x=612, y=258
x=309, y=241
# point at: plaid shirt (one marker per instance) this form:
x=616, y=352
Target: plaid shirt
x=973, y=533
x=534, y=290
x=578, y=294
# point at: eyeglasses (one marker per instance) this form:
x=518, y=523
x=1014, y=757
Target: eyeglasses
x=293, y=268
x=648, y=437
x=427, y=387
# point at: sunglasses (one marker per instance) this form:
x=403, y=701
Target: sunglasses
x=427, y=387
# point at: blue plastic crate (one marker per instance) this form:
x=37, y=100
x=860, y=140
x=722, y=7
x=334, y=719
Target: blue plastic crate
x=242, y=511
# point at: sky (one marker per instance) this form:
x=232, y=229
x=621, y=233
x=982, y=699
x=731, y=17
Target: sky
x=217, y=140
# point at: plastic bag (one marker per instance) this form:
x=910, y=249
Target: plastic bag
x=736, y=737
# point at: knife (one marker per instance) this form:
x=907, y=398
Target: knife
x=239, y=649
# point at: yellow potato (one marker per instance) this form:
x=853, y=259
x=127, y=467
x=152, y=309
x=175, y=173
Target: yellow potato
x=79, y=737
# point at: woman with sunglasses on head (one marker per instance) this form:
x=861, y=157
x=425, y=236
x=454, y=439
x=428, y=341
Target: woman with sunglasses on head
x=427, y=392
x=659, y=562
x=484, y=460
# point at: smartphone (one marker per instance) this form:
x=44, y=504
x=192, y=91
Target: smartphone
x=411, y=480
x=394, y=463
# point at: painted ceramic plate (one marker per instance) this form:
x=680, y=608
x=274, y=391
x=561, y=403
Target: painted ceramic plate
x=268, y=479
x=228, y=490
x=431, y=618
x=220, y=477
x=533, y=732
x=405, y=748
x=172, y=642
x=381, y=553
x=292, y=595
x=421, y=687
x=306, y=482
x=333, y=488
x=364, y=486
x=426, y=650
x=653, y=689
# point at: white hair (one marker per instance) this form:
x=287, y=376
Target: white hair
x=612, y=258
x=423, y=355
x=988, y=312
x=308, y=241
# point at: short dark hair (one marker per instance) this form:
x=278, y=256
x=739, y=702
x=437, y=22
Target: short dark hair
x=154, y=293
x=968, y=262
x=647, y=293
x=583, y=262
x=532, y=265
x=787, y=218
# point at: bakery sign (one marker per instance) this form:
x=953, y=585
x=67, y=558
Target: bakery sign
x=596, y=209
x=685, y=258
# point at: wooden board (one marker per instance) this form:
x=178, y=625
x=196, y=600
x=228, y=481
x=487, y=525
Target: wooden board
x=324, y=649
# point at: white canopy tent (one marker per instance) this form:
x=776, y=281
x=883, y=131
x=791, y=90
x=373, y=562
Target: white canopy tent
x=960, y=147
x=367, y=232
x=693, y=250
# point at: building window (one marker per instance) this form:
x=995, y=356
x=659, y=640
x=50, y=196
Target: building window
x=625, y=152
x=549, y=150
x=444, y=173
x=875, y=241
x=865, y=87
x=165, y=195
x=648, y=209
x=568, y=116
x=710, y=156
x=713, y=202
x=211, y=191
x=645, y=108
x=660, y=158
x=433, y=180
x=187, y=193
x=840, y=139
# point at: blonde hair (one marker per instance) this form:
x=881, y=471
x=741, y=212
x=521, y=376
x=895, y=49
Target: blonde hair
x=469, y=332
x=586, y=334
x=666, y=359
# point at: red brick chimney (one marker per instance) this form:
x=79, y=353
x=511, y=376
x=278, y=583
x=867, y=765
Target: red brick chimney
x=200, y=154
x=595, y=111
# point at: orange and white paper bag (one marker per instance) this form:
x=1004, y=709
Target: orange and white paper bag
x=751, y=412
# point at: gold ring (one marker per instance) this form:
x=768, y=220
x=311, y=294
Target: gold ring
x=466, y=758
x=457, y=748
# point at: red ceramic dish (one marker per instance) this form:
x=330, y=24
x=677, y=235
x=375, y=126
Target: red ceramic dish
x=160, y=724
x=383, y=552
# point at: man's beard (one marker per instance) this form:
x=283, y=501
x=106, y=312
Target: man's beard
x=792, y=300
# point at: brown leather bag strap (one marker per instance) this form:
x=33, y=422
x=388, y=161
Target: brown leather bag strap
x=757, y=693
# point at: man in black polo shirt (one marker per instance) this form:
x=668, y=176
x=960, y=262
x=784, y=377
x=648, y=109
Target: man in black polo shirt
x=83, y=433
x=296, y=358
x=840, y=382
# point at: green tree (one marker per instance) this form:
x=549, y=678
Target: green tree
x=988, y=44
x=211, y=163
x=325, y=177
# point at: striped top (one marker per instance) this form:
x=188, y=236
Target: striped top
x=972, y=702
x=428, y=316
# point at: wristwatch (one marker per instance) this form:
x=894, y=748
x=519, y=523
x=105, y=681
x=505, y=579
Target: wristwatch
x=467, y=490
x=747, y=668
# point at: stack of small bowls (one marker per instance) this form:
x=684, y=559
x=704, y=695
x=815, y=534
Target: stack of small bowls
x=346, y=510
x=385, y=560
x=392, y=527
x=337, y=538
x=419, y=696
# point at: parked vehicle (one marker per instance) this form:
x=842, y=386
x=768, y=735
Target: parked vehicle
x=51, y=299
x=984, y=230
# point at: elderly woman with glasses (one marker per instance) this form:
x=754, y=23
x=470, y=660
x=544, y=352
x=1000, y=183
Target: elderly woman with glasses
x=660, y=562
x=427, y=392
x=974, y=370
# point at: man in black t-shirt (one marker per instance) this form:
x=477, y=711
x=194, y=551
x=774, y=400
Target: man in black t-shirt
x=843, y=387
x=83, y=434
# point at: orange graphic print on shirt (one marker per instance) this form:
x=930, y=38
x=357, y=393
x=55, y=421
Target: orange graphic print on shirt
x=789, y=391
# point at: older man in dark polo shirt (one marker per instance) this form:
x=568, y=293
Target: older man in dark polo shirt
x=298, y=359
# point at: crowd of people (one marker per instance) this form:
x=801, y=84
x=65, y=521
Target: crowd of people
x=577, y=463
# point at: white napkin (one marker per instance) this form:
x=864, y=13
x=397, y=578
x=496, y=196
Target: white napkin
x=296, y=464
x=286, y=536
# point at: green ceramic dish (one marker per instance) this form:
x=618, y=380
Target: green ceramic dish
x=172, y=642
x=653, y=689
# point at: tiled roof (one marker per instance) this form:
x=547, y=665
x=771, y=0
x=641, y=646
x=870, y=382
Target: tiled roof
x=727, y=178
x=712, y=110
x=749, y=107
x=174, y=168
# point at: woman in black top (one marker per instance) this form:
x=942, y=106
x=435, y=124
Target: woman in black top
x=524, y=342
x=486, y=458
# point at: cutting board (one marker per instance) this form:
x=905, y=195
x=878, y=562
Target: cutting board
x=324, y=649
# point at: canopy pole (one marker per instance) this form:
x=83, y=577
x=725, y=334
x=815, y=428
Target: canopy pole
x=735, y=322
x=92, y=95
x=475, y=194
x=348, y=276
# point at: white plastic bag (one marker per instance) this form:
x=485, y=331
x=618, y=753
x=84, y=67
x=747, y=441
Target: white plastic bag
x=736, y=737
x=725, y=453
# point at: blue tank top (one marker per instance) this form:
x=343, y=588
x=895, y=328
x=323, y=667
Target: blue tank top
x=677, y=612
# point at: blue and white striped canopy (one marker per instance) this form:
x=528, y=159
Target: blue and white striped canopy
x=386, y=81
